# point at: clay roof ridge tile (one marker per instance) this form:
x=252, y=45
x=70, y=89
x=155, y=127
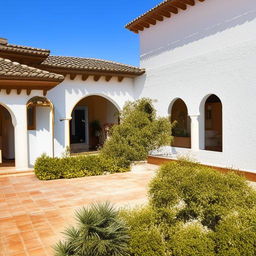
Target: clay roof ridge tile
x=32, y=69
x=145, y=13
x=105, y=61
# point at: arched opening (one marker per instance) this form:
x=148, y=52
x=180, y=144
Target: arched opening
x=181, y=130
x=92, y=117
x=213, y=123
x=40, y=125
x=7, y=146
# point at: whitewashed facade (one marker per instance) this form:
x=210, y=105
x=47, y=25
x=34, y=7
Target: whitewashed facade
x=207, y=49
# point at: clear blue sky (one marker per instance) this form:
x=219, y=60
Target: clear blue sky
x=75, y=28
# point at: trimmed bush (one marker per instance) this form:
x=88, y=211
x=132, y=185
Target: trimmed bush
x=145, y=237
x=236, y=234
x=184, y=191
x=190, y=239
x=138, y=133
x=99, y=232
x=48, y=168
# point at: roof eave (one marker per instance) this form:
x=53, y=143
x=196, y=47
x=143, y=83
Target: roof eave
x=164, y=10
x=19, y=85
x=65, y=71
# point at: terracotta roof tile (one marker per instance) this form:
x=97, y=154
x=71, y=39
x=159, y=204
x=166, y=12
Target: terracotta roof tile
x=12, y=48
x=13, y=70
x=89, y=64
x=147, y=12
x=163, y=10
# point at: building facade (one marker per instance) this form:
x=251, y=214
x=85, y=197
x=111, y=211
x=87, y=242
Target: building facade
x=197, y=64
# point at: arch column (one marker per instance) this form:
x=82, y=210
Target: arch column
x=21, y=139
x=195, y=132
x=66, y=131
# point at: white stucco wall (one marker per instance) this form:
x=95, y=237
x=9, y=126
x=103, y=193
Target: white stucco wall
x=66, y=95
x=16, y=105
x=31, y=144
x=208, y=49
x=40, y=139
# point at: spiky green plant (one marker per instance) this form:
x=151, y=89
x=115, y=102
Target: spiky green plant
x=99, y=232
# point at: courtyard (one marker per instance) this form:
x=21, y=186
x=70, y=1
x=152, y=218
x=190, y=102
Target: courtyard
x=33, y=213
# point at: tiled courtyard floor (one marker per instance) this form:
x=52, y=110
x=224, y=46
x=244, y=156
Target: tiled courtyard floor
x=33, y=213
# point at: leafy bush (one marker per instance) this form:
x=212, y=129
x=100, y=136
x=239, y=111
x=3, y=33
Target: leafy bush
x=138, y=133
x=184, y=191
x=190, y=239
x=236, y=234
x=100, y=232
x=48, y=168
x=145, y=237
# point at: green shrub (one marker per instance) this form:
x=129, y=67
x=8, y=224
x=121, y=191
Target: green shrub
x=190, y=239
x=145, y=237
x=184, y=191
x=47, y=168
x=100, y=232
x=236, y=234
x=138, y=133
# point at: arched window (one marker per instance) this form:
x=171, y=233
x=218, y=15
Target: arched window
x=181, y=130
x=92, y=117
x=213, y=123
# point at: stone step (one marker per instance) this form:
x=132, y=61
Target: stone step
x=14, y=172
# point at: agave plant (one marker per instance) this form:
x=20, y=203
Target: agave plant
x=99, y=232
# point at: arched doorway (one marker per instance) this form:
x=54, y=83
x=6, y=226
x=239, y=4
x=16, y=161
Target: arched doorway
x=91, y=119
x=7, y=147
x=213, y=123
x=181, y=130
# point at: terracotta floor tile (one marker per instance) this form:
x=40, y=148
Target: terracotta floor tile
x=14, y=247
x=33, y=244
x=28, y=235
x=20, y=254
x=37, y=252
x=33, y=213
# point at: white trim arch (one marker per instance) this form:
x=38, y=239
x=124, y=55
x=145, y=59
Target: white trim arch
x=14, y=120
x=178, y=111
x=202, y=140
x=172, y=103
x=85, y=111
x=69, y=112
x=7, y=147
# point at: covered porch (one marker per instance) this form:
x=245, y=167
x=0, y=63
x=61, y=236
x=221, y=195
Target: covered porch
x=92, y=119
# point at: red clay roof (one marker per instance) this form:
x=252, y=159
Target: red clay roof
x=163, y=10
x=10, y=70
x=88, y=65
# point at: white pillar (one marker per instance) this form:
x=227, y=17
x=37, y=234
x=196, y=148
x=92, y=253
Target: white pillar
x=21, y=139
x=194, y=132
x=67, y=132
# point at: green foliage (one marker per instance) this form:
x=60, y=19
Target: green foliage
x=99, y=232
x=190, y=239
x=145, y=237
x=184, y=191
x=138, y=133
x=236, y=234
x=48, y=168
x=194, y=211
